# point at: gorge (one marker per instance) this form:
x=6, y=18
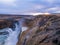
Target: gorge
x=30, y=30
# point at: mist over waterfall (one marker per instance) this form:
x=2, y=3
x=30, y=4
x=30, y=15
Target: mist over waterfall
x=9, y=36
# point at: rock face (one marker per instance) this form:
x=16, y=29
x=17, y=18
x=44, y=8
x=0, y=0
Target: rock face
x=44, y=30
x=7, y=23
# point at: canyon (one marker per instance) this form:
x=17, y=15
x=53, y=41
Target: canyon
x=40, y=29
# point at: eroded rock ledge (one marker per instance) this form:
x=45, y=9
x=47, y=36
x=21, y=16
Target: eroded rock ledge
x=44, y=30
x=4, y=23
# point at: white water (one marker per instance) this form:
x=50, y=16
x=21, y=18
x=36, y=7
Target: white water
x=13, y=36
x=24, y=28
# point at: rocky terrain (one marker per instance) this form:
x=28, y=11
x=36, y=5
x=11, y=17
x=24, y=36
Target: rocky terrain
x=44, y=30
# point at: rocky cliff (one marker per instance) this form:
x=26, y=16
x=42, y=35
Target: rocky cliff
x=44, y=30
x=5, y=23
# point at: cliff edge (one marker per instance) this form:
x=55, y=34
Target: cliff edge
x=44, y=30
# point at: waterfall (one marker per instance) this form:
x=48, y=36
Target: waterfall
x=10, y=38
x=13, y=36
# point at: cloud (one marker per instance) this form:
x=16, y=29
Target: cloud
x=29, y=6
x=8, y=2
x=9, y=11
x=57, y=12
x=49, y=1
x=39, y=6
x=53, y=10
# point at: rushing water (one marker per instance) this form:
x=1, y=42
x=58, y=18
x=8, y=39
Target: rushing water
x=8, y=36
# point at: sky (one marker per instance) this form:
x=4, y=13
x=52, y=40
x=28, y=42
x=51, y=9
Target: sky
x=29, y=6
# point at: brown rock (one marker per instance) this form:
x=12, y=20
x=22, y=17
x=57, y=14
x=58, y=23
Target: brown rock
x=6, y=23
x=44, y=31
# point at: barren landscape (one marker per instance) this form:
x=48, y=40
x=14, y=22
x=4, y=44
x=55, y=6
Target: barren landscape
x=42, y=29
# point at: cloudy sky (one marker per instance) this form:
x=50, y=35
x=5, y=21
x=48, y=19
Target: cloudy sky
x=29, y=6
